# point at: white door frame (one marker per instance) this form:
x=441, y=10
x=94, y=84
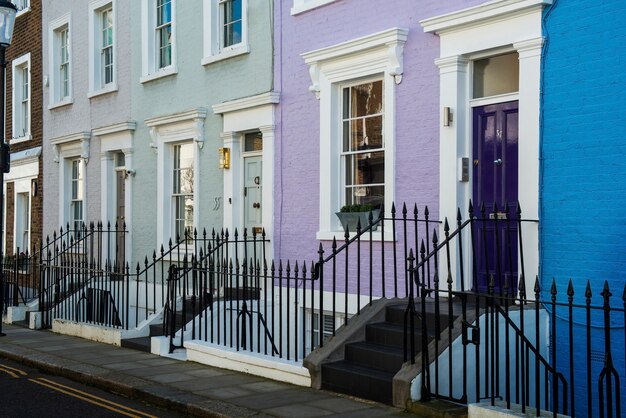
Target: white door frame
x=477, y=32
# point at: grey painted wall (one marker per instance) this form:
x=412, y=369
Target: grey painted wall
x=194, y=86
x=85, y=113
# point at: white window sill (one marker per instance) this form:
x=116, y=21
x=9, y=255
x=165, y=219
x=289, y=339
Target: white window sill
x=22, y=12
x=21, y=139
x=308, y=5
x=241, y=49
x=64, y=102
x=110, y=88
x=340, y=237
x=163, y=72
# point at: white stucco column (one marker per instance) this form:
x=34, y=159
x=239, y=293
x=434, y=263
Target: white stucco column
x=529, y=114
x=453, y=145
x=268, y=182
x=106, y=188
x=128, y=201
x=233, y=196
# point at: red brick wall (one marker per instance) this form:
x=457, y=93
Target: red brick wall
x=27, y=38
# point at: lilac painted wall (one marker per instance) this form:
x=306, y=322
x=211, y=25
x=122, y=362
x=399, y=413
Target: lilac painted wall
x=297, y=141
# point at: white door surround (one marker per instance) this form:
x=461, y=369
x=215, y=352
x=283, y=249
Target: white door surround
x=24, y=169
x=115, y=139
x=486, y=30
x=241, y=116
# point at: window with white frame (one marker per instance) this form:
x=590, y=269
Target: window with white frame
x=164, y=33
x=231, y=22
x=182, y=188
x=60, y=61
x=362, y=155
x=22, y=5
x=76, y=197
x=158, y=39
x=225, y=29
x=64, y=62
x=102, y=64
x=356, y=83
x=21, y=97
x=22, y=221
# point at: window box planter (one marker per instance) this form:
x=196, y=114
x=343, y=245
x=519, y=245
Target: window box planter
x=350, y=220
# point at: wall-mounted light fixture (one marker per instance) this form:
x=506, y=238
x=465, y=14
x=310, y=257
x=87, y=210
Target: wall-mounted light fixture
x=224, y=157
x=447, y=116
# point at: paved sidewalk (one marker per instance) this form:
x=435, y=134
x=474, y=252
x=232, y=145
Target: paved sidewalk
x=187, y=387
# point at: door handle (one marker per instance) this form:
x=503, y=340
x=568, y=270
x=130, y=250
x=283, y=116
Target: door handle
x=256, y=205
x=498, y=162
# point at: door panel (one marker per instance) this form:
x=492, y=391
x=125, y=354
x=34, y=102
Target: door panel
x=253, y=205
x=495, y=150
x=120, y=244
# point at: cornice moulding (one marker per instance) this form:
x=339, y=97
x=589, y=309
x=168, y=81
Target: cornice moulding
x=79, y=136
x=492, y=10
x=389, y=36
x=199, y=113
x=26, y=156
x=112, y=129
x=271, y=97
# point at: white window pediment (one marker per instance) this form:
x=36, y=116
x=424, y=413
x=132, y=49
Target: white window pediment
x=381, y=52
x=178, y=127
x=77, y=143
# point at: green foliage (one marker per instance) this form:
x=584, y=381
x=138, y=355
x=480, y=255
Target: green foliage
x=357, y=208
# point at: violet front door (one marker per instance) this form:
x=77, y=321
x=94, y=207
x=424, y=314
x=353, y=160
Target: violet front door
x=495, y=153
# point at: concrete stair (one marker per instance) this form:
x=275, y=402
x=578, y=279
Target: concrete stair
x=369, y=366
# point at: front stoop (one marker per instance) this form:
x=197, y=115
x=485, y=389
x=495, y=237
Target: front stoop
x=366, y=358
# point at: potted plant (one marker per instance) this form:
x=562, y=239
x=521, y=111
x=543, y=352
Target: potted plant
x=349, y=216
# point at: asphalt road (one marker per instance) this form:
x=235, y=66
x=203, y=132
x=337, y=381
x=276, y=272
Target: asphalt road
x=27, y=392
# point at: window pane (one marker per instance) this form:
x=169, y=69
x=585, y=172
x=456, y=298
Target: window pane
x=373, y=132
x=253, y=142
x=182, y=190
x=165, y=51
x=164, y=12
x=231, y=15
x=366, y=99
x=496, y=75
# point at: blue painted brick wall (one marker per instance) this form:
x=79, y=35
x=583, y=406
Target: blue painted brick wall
x=583, y=190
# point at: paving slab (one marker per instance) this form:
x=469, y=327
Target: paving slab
x=191, y=388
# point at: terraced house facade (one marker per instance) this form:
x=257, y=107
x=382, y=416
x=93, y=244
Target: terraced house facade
x=378, y=199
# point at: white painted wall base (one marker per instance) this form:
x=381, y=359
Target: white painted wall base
x=35, y=321
x=225, y=358
x=161, y=347
x=95, y=332
x=15, y=313
x=485, y=410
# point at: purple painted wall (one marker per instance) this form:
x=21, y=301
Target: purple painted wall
x=297, y=141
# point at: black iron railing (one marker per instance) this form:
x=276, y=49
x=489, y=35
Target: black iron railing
x=21, y=282
x=371, y=263
x=495, y=342
x=199, y=282
x=286, y=309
